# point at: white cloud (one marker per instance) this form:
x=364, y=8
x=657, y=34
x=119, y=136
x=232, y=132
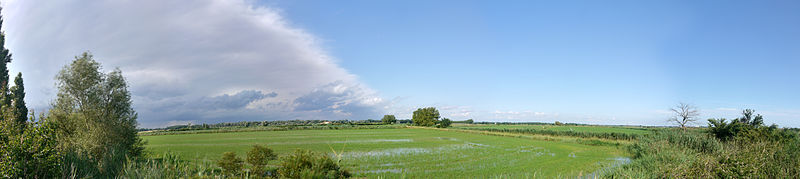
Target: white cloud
x=178, y=52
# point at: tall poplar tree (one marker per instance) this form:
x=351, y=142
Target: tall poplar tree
x=18, y=93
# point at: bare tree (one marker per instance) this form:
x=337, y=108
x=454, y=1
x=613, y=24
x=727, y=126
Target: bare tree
x=684, y=114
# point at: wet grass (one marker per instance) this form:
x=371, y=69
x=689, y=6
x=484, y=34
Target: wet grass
x=408, y=152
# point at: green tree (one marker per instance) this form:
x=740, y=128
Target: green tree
x=97, y=123
x=425, y=116
x=258, y=157
x=389, y=119
x=230, y=163
x=748, y=118
x=5, y=58
x=445, y=123
x=20, y=111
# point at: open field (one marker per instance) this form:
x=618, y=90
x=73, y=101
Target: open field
x=408, y=152
x=574, y=128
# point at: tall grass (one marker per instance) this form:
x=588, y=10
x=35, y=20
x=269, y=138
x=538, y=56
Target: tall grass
x=676, y=154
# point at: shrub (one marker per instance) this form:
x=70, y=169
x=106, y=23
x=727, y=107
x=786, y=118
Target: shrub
x=445, y=123
x=739, y=149
x=230, y=163
x=258, y=157
x=306, y=164
x=30, y=152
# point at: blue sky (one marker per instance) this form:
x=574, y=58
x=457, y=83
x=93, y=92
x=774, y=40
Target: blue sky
x=609, y=58
x=597, y=62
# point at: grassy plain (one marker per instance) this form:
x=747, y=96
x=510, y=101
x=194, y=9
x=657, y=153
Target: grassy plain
x=406, y=152
x=574, y=128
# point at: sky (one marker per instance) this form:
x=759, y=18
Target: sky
x=593, y=62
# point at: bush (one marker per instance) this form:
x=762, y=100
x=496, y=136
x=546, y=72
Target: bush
x=739, y=149
x=29, y=152
x=306, y=164
x=445, y=123
x=258, y=157
x=230, y=163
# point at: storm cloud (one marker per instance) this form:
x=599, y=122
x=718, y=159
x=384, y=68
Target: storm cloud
x=188, y=61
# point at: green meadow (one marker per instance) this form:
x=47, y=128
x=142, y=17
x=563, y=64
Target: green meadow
x=574, y=128
x=406, y=152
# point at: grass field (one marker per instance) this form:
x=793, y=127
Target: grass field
x=408, y=152
x=575, y=128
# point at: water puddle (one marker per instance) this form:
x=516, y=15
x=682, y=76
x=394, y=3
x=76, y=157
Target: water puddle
x=536, y=151
x=446, y=138
x=615, y=162
x=341, y=141
x=412, y=151
x=394, y=170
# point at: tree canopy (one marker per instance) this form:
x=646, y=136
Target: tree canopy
x=389, y=119
x=95, y=115
x=428, y=116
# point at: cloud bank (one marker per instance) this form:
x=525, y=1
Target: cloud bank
x=188, y=61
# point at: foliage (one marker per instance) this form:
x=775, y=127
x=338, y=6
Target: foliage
x=425, y=116
x=168, y=166
x=742, y=148
x=258, y=157
x=558, y=123
x=445, y=123
x=30, y=152
x=230, y=163
x=748, y=127
x=307, y=164
x=19, y=110
x=95, y=118
x=5, y=94
x=389, y=119
x=724, y=130
x=468, y=121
